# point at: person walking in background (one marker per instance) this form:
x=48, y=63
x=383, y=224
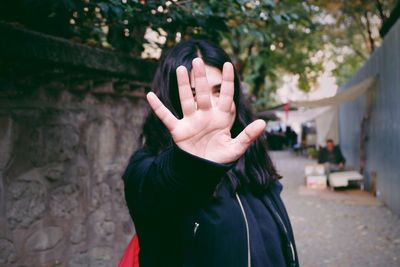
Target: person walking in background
x=290, y=137
x=202, y=189
x=332, y=156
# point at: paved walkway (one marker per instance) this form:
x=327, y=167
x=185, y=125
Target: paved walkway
x=337, y=229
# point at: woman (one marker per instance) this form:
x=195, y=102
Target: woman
x=202, y=190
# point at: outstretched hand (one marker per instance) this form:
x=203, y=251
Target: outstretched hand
x=204, y=130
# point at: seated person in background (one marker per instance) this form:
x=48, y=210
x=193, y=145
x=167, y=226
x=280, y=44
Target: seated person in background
x=332, y=156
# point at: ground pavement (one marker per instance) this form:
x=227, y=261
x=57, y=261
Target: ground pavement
x=337, y=229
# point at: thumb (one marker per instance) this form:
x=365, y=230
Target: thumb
x=250, y=134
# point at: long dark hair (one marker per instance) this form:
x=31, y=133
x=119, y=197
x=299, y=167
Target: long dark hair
x=254, y=170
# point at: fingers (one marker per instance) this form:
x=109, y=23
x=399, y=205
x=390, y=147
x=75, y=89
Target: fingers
x=203, y=91
x=249, y=134
x=161, y=111
x=185, y=91
x=227, y=88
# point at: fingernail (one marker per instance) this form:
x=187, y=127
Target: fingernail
x=181, y=68
x=226, y=64
x=150, y=94
x=197, y=59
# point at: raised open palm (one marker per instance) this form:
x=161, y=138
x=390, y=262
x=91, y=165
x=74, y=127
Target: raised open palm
x=204, y=130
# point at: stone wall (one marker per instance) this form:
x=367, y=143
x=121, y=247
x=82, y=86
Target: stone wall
x=67, y=131
x=62, y=201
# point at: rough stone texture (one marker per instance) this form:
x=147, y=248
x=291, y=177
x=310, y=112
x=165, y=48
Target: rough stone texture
x=44, y=239
x=70, y=118
x=64, y=201
x=77, y=233
x=61, y=193
x=6, y=140
x=8, y=254
x=96, y=257
x=25, y=203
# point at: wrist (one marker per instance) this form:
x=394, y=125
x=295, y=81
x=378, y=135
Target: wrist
x=190, y=164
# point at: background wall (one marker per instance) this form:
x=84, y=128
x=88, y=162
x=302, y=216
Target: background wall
x=382, y=127
x=62, y=194
x=70, y=118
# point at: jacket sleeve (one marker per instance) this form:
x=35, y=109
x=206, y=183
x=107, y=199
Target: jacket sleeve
x=341, y=158
x=173, y=177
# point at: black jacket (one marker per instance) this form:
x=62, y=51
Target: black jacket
x=180, y=223
x=334, y=157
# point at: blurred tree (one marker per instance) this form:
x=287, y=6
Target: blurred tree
x=353, y=31
x=266, y=38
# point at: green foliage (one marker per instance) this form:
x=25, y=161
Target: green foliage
x=312, y=152
x=352, y=31
x=266, y=38
x=271, y=39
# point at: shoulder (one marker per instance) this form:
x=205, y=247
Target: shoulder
x=141, y=159
x=276, y=187
x=337, y=148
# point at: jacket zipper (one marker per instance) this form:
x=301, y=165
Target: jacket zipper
x=286, y=232
x=284, y=229
x=196, y=226
x=247, y=231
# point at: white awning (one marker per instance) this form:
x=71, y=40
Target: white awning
x=300, y=116
x=324, y=111
x=347, y=95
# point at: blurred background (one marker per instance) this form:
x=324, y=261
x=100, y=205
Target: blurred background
x=73, y=76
